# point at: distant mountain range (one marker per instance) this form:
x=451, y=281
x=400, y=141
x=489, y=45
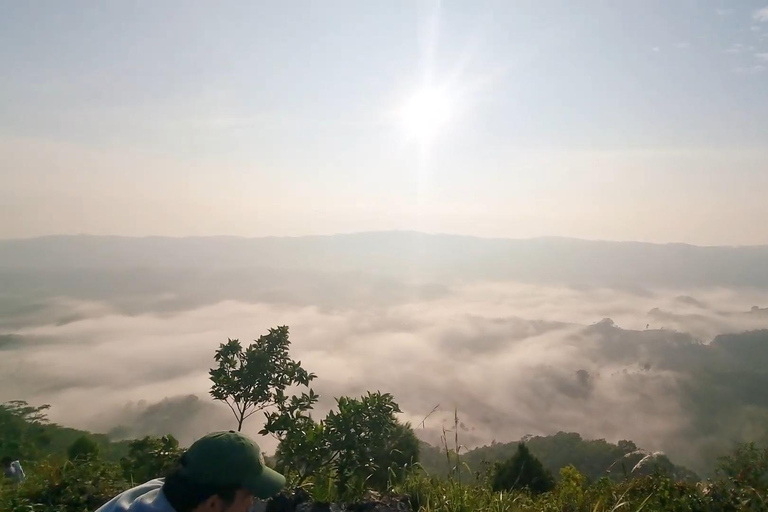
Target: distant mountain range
x=407, y=255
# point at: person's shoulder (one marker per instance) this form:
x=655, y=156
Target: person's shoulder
x=146, y=497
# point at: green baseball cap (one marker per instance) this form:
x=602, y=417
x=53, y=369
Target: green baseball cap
x=231, y=459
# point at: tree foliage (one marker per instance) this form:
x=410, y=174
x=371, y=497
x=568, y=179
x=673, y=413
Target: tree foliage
x=569, y=492
x=747, y=465
x=83, y=448
x=150, y=457
x=27, y=435
x=395, y=457
x=358, y=435
x=302, y=449
x=744, y=476
x=592, y=458
x=256, y=378
x=83, y=485
x=361, y=443
x=22, y=430
x=522, y=471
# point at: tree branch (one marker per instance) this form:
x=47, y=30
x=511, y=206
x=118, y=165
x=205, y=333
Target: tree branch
x=251, y=414
x=232, y=409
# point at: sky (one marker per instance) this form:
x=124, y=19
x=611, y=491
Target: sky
x=622, y=120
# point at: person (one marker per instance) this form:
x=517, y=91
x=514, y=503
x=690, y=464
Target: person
x=220, y=472
x=12, y=470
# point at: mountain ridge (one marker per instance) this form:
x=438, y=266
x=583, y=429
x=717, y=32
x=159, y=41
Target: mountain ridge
x=408, y=255
x=357, y=234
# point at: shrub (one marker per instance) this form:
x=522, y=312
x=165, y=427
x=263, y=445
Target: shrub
x=150, y=457
x=522, y=471
x=83, y=448
x=64, y=487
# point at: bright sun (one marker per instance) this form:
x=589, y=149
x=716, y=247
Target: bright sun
x=426, y=113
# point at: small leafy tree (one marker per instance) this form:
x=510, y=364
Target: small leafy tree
x=626, y=447
x=746, y=466
x=356, y=433
x=570, y=489
x=83, y=448
x=150, y=457
x=398, y=453
x=302, y=449
x=522, y=471
x=255, y=378
x=361, y=443
x=23, y=429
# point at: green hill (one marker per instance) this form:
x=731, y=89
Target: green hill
x=26, y=434
x=593, y=458
x=54, y=483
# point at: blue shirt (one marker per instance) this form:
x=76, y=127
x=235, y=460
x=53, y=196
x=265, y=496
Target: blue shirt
x=148, y=497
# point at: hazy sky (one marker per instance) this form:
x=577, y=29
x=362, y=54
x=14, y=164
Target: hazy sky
x=612, y=120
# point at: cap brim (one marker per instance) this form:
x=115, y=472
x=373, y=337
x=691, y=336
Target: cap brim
x=266, y=484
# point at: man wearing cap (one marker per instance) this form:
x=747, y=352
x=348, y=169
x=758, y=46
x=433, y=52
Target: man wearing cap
x=221, y=472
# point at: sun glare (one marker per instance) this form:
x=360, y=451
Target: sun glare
x=426, y=113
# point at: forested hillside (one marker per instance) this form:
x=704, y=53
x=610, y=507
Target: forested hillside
x=362, y=447
x=26, y=434
x=592, y=458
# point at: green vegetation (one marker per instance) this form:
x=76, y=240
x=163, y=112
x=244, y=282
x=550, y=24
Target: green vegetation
x=256, y=378
x=84, y=448
x=64, y=486
x=592, y=458
x=150, y=457
x=361, y=446
x=26, y=434
x=522, y=471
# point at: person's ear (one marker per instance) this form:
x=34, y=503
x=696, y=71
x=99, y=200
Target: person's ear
x=212, y=504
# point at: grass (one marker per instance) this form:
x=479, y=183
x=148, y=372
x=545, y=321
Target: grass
x=82, y=486
x=653, y=493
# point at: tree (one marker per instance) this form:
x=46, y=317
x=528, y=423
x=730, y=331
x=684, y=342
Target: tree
x=253, y=379
x=150, y=457
x=83, y=448
x=356, y=435
x=23, y=429
x=303, y=449
x=522, y=471
x=361, y=442
x=626, y=447
x=398, y=453
x=747, y=466
x=570, y=489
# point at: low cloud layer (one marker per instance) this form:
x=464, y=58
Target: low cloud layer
x=513, y=358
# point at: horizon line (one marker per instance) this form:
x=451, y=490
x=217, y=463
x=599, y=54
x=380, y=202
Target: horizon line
x=375, y=232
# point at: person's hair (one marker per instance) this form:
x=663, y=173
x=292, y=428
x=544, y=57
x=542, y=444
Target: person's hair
x=184, y=494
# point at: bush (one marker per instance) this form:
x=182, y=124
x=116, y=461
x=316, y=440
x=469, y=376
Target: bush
x=150, y=457
x=83, y=448
x=569, y=492
x=64, y=487
x=744, y=478
x=522, y=471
